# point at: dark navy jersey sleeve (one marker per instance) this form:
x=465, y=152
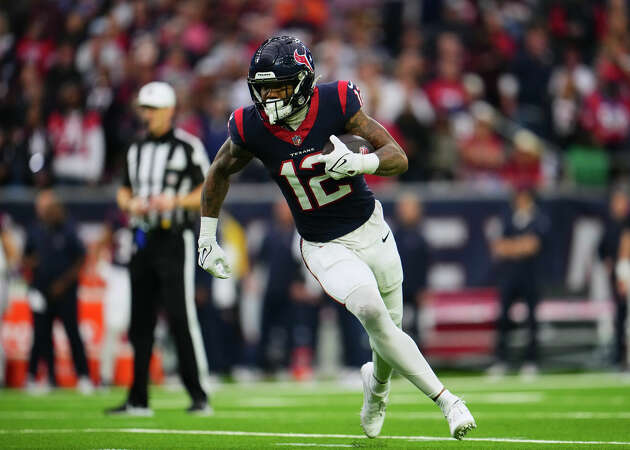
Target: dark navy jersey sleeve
x=349, y=98
x=236, y=129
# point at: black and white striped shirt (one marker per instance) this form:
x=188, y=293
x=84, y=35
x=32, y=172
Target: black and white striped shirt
x=175, y=164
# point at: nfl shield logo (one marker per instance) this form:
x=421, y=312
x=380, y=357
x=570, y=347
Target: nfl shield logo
x=297, y=140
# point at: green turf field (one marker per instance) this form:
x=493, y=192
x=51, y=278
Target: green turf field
x=555, y=411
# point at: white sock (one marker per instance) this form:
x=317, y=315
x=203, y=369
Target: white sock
x=445, y=400
x=378, y=388
x=390, y=342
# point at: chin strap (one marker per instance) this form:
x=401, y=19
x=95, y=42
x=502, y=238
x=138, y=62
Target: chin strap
x=295, y=119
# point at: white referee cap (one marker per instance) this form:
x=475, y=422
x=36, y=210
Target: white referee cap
x=156, y=94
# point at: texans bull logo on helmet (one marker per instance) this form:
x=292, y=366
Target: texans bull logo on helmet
x=302, y=59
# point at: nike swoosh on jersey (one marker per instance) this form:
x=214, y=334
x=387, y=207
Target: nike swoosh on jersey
x=386, y=236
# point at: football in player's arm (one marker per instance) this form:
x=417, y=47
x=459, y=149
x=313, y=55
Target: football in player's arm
x=346, y=242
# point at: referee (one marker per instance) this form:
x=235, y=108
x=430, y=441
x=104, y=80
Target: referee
x=161, y=193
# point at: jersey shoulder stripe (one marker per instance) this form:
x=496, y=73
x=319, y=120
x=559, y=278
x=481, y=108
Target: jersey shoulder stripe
x=342, y=90
x=238, y=119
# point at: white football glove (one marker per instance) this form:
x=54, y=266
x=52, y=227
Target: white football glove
x=342, y=162
x=211, y=256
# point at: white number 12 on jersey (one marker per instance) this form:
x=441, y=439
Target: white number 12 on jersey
x=287, y=170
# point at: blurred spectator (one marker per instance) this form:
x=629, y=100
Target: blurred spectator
x=187, y=28
x=508, y=88
x=26, y=154
x=77, y=138
x=216, y=112
x=62, y=71
x=444, y=151
x=175, y=69
x=523, y=168
x=606, y=116
x=7, y=61
x=446, y=91
x=226, y=60
x=336, y=59
x=8, y=262
x=103, y=50
x=570, y=83
x=518, y=252
x=369, y=78
x=311, y=14
x=532, y=68
x=616, y=222
x=573, y=22
x=188, y=117
x=35, y=47
x=414, y=254
x=482, y=155
x=54, y=285
x=492, y=49
x=402, y=93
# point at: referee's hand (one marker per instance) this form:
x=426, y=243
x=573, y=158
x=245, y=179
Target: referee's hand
x=212, y=258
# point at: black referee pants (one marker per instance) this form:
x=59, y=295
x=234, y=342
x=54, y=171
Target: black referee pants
x=162, y=275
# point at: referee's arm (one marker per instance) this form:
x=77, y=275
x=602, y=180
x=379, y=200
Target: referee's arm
x=127, y=203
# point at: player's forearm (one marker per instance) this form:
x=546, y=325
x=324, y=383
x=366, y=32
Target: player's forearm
x=214, y=190
x=392, y=160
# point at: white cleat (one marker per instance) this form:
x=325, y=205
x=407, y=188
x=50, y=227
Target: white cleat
x=373, y=410
x=460, y=421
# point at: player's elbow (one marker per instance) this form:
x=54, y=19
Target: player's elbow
x=403, y=162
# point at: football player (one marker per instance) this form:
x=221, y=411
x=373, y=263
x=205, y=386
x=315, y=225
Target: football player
x=346, y=243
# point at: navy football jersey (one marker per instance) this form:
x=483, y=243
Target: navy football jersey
x=323, y=208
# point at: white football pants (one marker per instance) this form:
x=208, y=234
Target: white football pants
x=362, y=270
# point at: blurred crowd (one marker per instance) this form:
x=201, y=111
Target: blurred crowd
x=490, y=92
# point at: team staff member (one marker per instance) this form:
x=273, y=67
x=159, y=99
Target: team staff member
x=161, y=192
x=54, y=254
x=615, y=226
x=518, y=252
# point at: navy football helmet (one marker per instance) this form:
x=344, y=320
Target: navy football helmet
x=281, y=61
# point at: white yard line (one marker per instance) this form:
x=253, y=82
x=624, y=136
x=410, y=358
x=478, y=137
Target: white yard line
x=300, y=415
x=476, y=397
x=305, y=444
x=302, y=435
